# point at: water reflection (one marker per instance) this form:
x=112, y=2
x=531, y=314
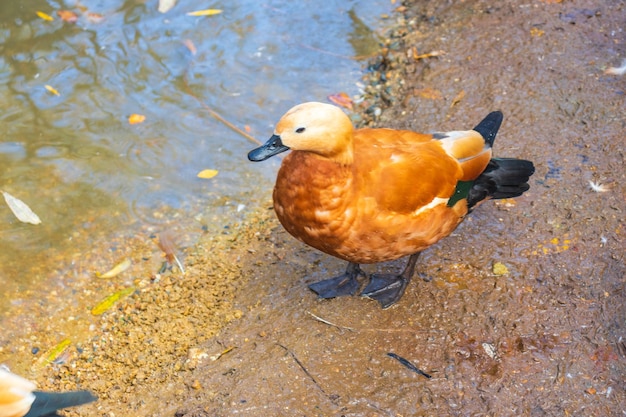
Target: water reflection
x=79, y=164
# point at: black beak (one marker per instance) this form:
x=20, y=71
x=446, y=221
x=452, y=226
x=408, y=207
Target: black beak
x=272, y=147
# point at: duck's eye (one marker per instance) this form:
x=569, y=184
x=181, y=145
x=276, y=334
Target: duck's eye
x=300, y=129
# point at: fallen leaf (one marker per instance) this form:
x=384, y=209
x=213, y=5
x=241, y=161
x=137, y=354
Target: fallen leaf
x=134, y=119
x=167, y=244
x=45, y=16
x=500, y=269
x=166, y=5
x=342, y=100
x=428, y=92
x=20, y=209
x=222, y=353
x=116, y=270
x=207, y=12
x=536, y=32
x=67, y=16
x=207, y=173
x=108, y=302
x=417, y=56
x=457, y=99
x=52, y=90
x=54, y=352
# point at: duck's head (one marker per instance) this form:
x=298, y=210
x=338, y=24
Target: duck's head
x=314, y=127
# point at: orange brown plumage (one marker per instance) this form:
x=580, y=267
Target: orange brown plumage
x=373, y=195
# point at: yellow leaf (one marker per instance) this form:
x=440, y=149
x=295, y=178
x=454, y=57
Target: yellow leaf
x=500, y=269
x=134, y=119
x=52, y=90
x=116, y=270
x=458, y=98
x=54, y=352
x=207, y=12
x=536, y=32
x=108, y=302
x=45, y=16
x=207, y=173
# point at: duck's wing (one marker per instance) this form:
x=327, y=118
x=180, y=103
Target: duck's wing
x=402, y=171
x=406, y=171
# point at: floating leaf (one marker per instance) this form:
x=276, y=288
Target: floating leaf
x=21, y=210
x=166, y=5
x=134, y=119
x=67, y=16
x=189, y=44
x=341, y=99
x=108, y=302
x=45, y=16
x=207, y=12
x=207, y=173
x=52, y=90
x=94, y=17
x=116, y=270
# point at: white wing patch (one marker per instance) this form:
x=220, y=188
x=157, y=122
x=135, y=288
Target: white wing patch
x=436, y=201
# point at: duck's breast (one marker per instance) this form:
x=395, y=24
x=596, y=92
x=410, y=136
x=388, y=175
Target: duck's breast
x=312, y=200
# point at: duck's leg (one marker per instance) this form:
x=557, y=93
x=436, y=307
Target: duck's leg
x=345, y=284
x=387, y=289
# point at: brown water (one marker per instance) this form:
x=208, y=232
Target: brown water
x=90, y=175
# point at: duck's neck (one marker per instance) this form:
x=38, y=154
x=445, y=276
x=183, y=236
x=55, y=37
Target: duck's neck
x=317, y=171
x=343, y=155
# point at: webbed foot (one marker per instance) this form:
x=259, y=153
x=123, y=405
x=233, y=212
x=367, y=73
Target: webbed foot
x=387, y=289
x=345, y=284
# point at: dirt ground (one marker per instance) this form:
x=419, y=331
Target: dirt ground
x=240, y=333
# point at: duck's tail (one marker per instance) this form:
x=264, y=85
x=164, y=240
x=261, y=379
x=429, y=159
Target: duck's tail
x=503, y=178
x=488, y=127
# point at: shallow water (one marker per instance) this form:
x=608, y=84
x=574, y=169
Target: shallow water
x=76, y=161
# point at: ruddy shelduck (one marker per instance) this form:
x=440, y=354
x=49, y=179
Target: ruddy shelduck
x=19, y=398
x=373, y=195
